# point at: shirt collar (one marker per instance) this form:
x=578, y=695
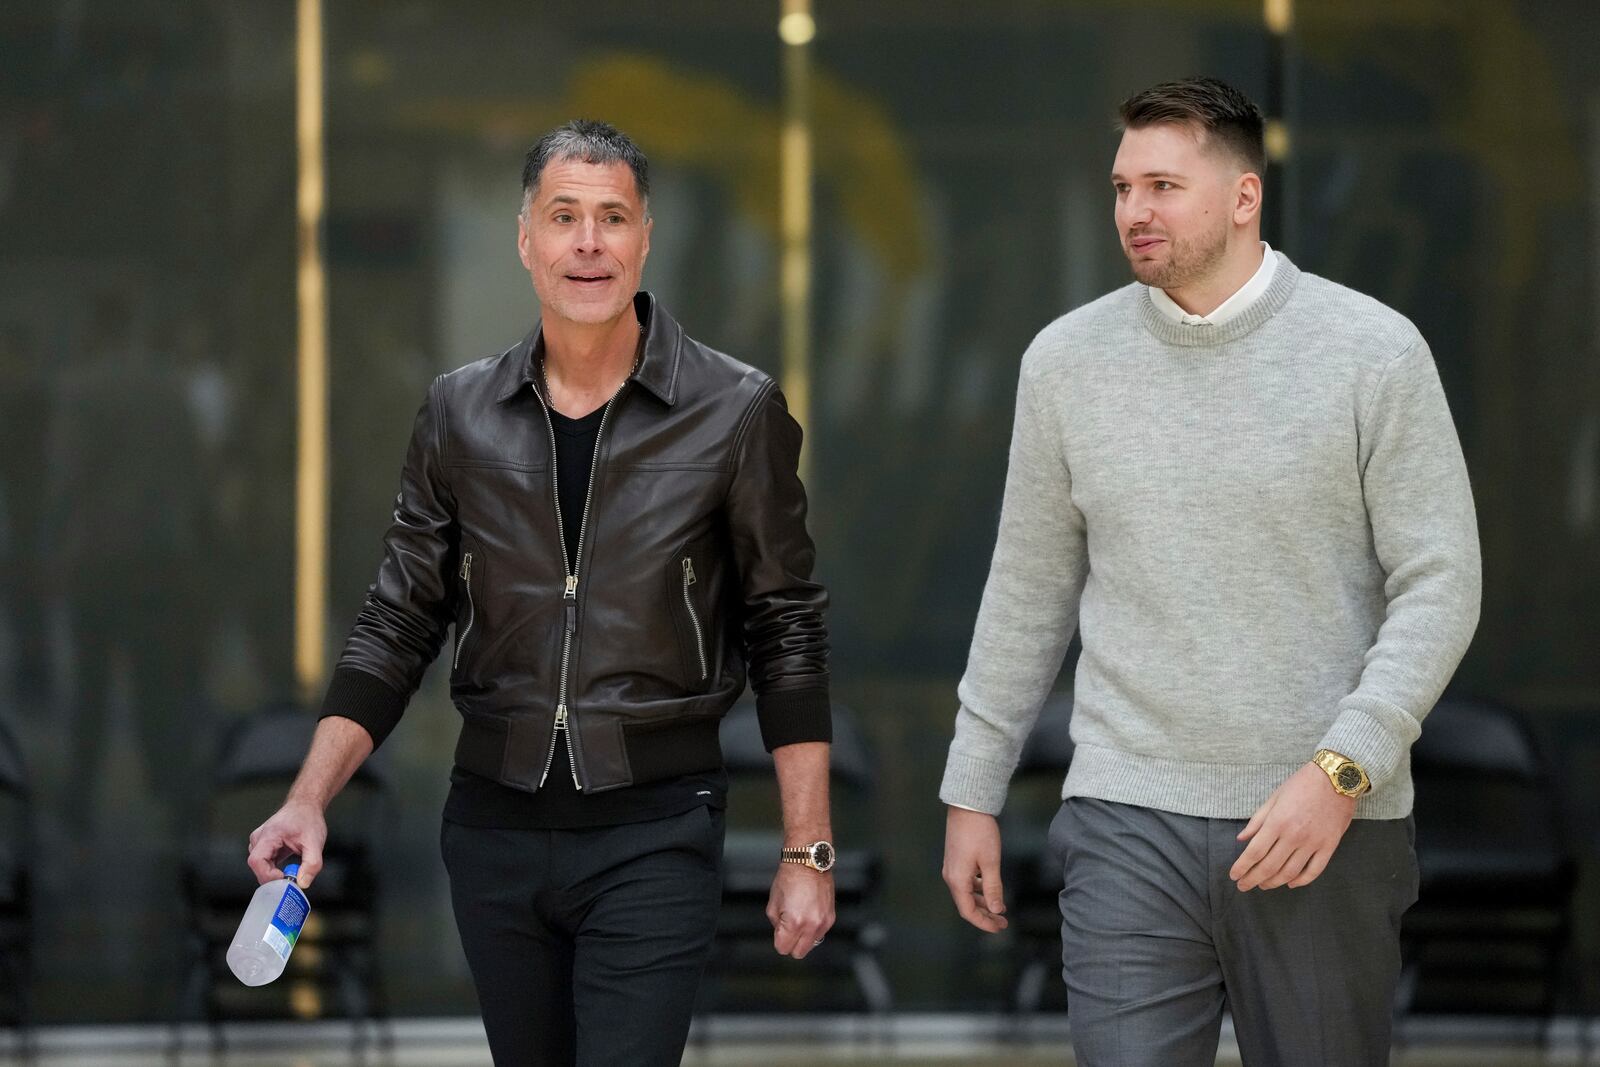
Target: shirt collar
x=1247, y=294
x=657, y=370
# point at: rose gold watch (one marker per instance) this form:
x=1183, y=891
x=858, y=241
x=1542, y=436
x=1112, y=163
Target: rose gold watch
x=818, y=855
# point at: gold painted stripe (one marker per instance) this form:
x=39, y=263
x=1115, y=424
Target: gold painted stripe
x=796, y=29
x=311, y=480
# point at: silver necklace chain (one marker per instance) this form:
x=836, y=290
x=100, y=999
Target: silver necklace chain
x=638, y=357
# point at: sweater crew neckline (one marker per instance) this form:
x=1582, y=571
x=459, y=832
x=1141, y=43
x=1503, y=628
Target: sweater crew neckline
x=1284, y=280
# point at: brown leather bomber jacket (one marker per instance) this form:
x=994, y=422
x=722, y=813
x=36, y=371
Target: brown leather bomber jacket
x=694, y=562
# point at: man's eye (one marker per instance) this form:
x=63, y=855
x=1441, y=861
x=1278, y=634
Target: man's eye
x=1164, y=185
x=563, y=217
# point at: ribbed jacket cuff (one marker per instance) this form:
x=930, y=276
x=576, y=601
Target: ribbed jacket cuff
x=970, y=782
x=1375, y=735
x=794, y=716
x=366, y=699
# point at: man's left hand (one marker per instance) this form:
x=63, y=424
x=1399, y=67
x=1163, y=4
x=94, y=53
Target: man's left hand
x=800, y=909
x=1294, y=834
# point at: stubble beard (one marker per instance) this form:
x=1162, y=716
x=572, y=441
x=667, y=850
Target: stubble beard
x=1189, y=261
x=588, y=313
x=585, y=311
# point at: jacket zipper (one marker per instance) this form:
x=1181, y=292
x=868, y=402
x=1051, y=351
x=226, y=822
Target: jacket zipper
x=694, y=617
x=569, y=595
x=472, y=611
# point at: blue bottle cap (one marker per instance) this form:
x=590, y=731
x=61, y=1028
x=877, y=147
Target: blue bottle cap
x=290, y=870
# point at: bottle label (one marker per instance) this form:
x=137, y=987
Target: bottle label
x=284, y=929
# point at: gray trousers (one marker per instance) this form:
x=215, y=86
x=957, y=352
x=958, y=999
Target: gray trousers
x=1157, y=942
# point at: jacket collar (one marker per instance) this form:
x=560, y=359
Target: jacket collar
x=658, y=366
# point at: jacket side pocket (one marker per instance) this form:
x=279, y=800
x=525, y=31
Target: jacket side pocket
x=691, y=610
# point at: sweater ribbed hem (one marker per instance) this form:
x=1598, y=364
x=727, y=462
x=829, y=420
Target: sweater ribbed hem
x=365, y=699
x=1205, y=790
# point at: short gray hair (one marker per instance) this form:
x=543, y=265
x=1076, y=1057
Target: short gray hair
x=590, y=142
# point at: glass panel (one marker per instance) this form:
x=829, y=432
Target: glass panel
x=1445, y=159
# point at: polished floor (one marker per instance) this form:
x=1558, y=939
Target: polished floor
x=906, y=1040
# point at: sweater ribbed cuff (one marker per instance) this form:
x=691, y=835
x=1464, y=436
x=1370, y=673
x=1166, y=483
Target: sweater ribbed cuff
x=365, y=699
x=1374, y=734
x=794, y=716
x=978, y=784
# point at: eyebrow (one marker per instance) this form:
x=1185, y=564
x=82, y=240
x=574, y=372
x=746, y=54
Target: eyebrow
x=604, y=204
x=1149, y=174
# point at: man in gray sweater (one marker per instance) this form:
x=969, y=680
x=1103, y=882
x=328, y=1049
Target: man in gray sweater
x=1240, y=484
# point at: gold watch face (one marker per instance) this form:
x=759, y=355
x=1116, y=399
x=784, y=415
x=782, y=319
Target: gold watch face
x=822, y=855
x=1349, y=777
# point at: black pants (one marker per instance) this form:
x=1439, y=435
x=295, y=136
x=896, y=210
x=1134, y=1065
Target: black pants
x=587, y=946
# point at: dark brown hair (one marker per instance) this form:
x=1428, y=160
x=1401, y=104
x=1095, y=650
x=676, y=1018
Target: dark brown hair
x=1227, y=116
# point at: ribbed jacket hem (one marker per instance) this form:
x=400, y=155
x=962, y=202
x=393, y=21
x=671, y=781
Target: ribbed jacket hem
x=793, y=716
x=1206, y=790
x=366, y=699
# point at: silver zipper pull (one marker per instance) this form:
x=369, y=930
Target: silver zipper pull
x=688, y=571
x=466, y=567
x=572, y=587
x=561, y=716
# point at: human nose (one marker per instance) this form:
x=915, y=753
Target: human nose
x=1135, y=209
x=589, y=236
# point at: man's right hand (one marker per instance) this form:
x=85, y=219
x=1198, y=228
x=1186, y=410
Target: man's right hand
x=972, y=868
x=297, y=827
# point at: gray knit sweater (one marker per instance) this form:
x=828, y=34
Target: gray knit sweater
x=1263, y=532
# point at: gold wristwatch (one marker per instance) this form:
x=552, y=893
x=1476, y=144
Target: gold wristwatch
x=1345, y=774
x=818, y=855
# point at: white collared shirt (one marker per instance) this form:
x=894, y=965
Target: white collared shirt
x=1247, y=294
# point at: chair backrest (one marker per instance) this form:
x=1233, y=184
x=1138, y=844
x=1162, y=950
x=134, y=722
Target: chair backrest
x=17, y=829
x=13, y=771
x=1484, y=786
x=1049, y=746
x=1478, y=738
x=258, y=757
x=743, y=752
x=269, y=745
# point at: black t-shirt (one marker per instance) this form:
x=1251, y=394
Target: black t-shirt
x=558, y=805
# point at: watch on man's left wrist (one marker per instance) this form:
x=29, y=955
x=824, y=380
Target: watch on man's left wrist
x=818, y=855
x=1347, y=776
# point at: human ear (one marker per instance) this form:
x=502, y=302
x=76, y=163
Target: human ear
x=1247, y=198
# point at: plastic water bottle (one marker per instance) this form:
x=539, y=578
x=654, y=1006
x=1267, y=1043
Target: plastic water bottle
x=269, y=929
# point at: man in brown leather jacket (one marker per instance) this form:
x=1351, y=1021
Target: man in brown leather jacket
x=610, y=516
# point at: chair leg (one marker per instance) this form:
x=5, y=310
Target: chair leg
x=27, y=1035
x=871, y=980
x=355, y=1001
x=379, y=995
x=1030, y=987
x=1405, y=996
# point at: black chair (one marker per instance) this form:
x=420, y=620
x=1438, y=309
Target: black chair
x=336, y=957
x=17, y=854
x=1489, y=929
x=750, y=858
x=1032, y=875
